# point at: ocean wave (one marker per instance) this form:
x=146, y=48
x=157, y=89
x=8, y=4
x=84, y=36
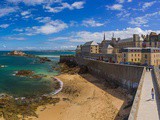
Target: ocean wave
x=3, y=66
x=57, y=90
x=60, y=88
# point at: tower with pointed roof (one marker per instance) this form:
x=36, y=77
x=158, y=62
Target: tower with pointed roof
x=104, y=37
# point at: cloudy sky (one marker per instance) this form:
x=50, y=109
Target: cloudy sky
x=63, y=24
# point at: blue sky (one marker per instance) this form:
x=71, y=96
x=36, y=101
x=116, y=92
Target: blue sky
x=64, y=24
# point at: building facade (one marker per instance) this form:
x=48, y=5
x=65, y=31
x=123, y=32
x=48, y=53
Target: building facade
x=151, y=56
x=142, y=50
x=144, y=56
x=90, y=48
x=131, y=55
x=135, y=41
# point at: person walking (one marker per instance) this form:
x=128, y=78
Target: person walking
x=146, y=68
x=152, y=93
x=149, y=68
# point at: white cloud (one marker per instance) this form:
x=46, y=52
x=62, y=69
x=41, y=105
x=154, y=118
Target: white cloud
x=143, y=20
x=85, y=36
x=49, y=28
x=7, y=10
x=138, y=21
x=24, y=13
x=129, y=0
x=75, y=5
x=73, y=24
x=121, y=1
x=27, y=16
x=4, y=46
x=58, y=38
x=14, y=38
x=4, y=25
x=92, y=23
x=123, y=14
x=115, y=7
x=44, y=19
x=67, y=47
x=148, y=4
x=33, y=2
x=18, y=30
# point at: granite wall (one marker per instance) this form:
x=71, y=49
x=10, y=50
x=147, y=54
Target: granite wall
x=127, y=76
x=156, y=73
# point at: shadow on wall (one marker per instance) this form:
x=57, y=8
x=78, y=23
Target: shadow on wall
x=126, y=76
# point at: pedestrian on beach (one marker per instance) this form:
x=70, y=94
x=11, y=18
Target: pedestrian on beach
x=152, y=93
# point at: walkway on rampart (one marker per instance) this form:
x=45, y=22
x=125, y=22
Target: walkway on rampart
x=148, y=108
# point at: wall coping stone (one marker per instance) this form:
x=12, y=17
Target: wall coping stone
x=135, y=106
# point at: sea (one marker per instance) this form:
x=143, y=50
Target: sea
x=26, y=86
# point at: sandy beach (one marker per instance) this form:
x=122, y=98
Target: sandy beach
x=85, y=97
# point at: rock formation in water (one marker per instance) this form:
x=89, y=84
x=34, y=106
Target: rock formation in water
x=17, y=53
x=24, y=73
x=20, y=53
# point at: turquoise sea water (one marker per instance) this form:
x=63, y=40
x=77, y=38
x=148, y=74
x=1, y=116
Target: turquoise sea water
x=24, y=86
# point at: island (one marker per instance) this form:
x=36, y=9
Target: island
x=20, y=53
x=17, y=53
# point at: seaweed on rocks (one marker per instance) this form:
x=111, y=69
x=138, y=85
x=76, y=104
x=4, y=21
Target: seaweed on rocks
x=15, y=108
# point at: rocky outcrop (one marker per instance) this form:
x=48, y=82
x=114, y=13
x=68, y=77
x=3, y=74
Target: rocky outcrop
x=29, y=73
x=17, y=53
x=24, y=73
x=20, y=53
x=44, y=59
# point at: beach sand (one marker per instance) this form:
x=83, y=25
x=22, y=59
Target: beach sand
x=85, y=97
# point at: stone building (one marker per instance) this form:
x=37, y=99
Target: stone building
x=103, y=44
x=107, y=49
x=78, y=49
x=151, y=40
x=145, y=56
x=131, y=54
x=135, y=41
x=137, y=49
x=107, y=46
x=151, y=56
x=90, y=48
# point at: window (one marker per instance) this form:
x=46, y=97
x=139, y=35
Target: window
x=146, y=61
x=145, y=56
x=135, y=59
